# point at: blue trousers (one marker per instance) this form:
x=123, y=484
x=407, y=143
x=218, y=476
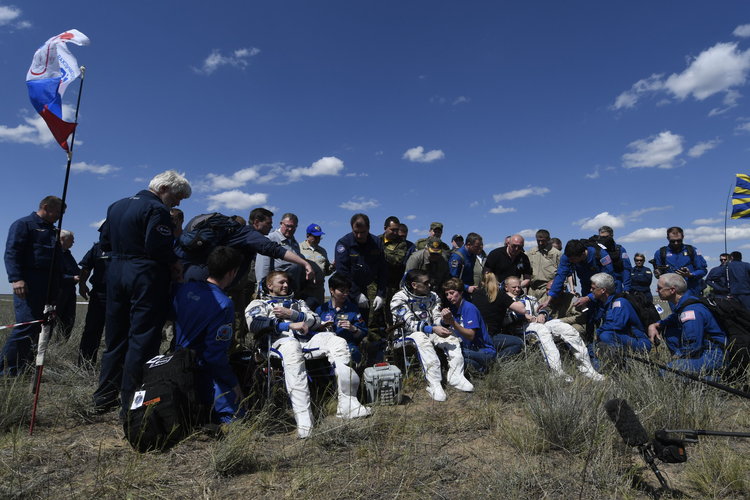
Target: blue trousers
x=624, y=340
x=18, y=349
x=710, y=360
x=137, y=307
x=480, y=360
x=93, y=327
x=507, y=345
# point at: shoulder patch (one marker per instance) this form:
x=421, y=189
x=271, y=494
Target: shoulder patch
x=164, y=230
x=616, y=303
x=340, y=249
x=606, y=260
x=401, y=311
x=625, y=255
x=687, y=316
x=454, y=262
x=224, y=333
x=255, y=311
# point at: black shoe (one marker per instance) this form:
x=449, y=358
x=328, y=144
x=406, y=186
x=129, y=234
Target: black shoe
x=102, y=408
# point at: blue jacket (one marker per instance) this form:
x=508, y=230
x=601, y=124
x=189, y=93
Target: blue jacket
x=619, y=317
x=625, y=277
x=203, y=321
x=692, y=331
x=640, y=279
x=96, y=261
x=739, y=277
x=139, y=227
x=362, y=263
x=349, y=311
x=30, y=247
x=681, y=258
x=70, y=271
x=461, y=265
x=585, y=270
x=717, y=279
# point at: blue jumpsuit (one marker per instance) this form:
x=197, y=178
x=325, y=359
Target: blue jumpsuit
x=362, y=263
x=694, y=337
x=96, y=262
x=681, y=258
x=739, y=281
x=29, y=250
x=585, y=270
x=203, y=322
x=717, y=280
x=640, y=281
x=461, y=265
x=138, y=235
x=350, y=312
x=621, y=326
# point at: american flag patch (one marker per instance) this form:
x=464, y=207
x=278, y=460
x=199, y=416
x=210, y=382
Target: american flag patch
x=687, y=316
x=616, y=303
x=606, y=260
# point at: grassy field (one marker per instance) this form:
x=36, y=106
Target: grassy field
x=522, y=434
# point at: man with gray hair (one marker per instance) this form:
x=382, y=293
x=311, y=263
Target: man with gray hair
x=691, y=332
x=66, y=296
x=284, y=236
x=619, y=327
x=138, y=235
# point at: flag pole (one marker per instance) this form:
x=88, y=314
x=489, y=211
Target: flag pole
x=45, y=334
x=726, y=215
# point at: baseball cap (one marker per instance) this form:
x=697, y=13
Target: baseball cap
x=436, y=225
x=315, y=230
x=434, y=245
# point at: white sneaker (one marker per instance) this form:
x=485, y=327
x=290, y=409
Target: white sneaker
x=357, y=412
x=593, y=375
x=464, y=385
x=436, y=393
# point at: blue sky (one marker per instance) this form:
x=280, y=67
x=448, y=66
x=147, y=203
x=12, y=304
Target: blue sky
x=492, y=117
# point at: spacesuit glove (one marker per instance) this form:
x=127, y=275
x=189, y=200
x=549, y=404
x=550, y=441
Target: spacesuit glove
x=377, y=304
x=362, y=301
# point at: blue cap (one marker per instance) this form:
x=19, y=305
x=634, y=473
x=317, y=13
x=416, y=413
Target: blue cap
x=315, y=230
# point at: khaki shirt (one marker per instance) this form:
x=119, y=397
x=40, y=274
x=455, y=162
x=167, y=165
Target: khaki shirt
x=318, y=258
x=543, y=267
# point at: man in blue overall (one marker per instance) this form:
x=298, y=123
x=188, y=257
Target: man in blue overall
x=138, y=234
x=31, y=250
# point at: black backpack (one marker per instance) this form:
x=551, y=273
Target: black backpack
x=644, y=308
x=165, y=409
x=608, y=244
x=734, y=319
x=205, y=232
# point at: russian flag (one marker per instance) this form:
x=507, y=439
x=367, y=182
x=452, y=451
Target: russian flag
x=52, y=70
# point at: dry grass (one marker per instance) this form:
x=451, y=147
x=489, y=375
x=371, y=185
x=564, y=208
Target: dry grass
x=522, y=434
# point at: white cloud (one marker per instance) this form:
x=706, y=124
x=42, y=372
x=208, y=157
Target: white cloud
x=328, y=165
x=528, y=234
x=461, y=100
x=8, y=14
x=593, y=175
x=629, y=98
x=655, y=151
x=473, y=204
x=358, y=203
x=699, y=149
x=706, y=222
x=236, y=200
x=237, y=179
x=410, y=217
x=238, y=59
x=743, y=127
x=742, y=31
x=418, y=155
x=707, y=234
x=644, y=234
x=635, y=214
x=97, y=223
x=601, y=219
x=521, y=193
x=730, y=101
x=720, y=68
x=501, y=210
x=82, y=166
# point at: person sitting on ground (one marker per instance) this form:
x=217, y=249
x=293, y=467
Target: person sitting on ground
x=620, y=328
x=534, y=322
x=493, y=303
x=465, y=320
x=342, y=316
x=691, y=332
x=203, y=322
x=291, y=327
x=419, y=309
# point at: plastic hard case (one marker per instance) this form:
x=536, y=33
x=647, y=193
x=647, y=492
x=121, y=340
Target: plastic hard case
x=383, y=384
